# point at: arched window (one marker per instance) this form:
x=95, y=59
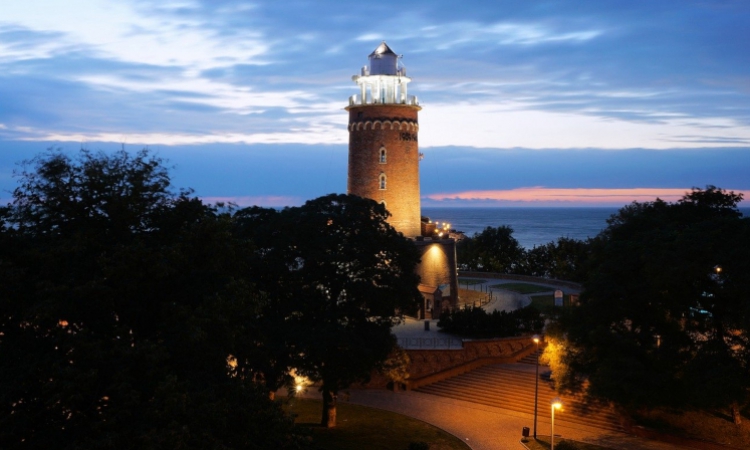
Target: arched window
x=382, y=181
x=382, y=155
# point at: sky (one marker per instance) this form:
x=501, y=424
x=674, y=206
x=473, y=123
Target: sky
x=525, y=102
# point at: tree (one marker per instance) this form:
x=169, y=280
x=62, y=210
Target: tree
x=122, y=304
x=396, y=368
x=342, y=274
x=663, y=317
x=492, y=250
x=564, y=259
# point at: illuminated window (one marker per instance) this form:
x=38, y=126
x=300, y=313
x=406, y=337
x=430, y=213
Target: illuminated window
x=382, y=181
x=382, y=155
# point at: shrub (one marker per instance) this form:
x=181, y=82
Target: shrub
x=478, y=323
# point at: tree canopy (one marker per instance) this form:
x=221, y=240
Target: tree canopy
x=136, y=316
x=118, y=313
x=475, y=322
x=564, y=259
x=493, y=250
x=664, y=317
x=496, y=250
x=342, y=272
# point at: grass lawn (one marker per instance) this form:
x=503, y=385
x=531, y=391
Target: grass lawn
x=470, y=281
x=712, y=425
x=545, y=303
x=523, y=288
x=542, y=443
x=363, y=428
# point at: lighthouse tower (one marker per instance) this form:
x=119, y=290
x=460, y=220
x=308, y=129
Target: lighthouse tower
x=384, y=166
x=383, y=147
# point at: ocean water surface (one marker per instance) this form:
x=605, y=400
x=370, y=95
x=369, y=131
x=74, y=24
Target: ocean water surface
x=531, y=226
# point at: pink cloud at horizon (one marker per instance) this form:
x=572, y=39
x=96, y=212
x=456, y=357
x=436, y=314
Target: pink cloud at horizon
x=542, y=196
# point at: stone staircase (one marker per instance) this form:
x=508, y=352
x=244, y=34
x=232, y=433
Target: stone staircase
x=531, y=359
x=511, y=387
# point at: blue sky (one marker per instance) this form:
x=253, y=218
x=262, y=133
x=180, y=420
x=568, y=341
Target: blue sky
x=525, y=103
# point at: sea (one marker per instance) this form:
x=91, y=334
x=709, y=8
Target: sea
x=531, y=226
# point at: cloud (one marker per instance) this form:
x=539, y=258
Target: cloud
x=193, y=72
x=307, y=136
x=513, y=124
x=198, y=90
x=533, y=34
x=543, y=196
x=18, y=43
x=132, y=32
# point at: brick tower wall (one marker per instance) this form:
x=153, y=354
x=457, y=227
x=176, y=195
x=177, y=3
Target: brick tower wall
x=393, y=127
x=438, y=267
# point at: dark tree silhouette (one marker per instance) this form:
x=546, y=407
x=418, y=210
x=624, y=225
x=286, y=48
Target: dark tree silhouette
x=664, y=318
x=492, y=250
x=341, y=274
x=122, y=307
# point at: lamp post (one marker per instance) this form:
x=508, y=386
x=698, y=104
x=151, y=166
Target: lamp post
x=536, y=386
x=556, y=404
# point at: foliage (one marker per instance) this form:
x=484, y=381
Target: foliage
x=121, y=305
x=565, y=259
x=546, y=304
x=396, y=367
x=711, y=424
x=340, y=273
x=478, y=323
x=492, y=250
x=659, y=324
x=496, y=250
x=554, y=352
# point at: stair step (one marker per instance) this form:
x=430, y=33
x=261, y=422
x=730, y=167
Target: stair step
x=503, y=387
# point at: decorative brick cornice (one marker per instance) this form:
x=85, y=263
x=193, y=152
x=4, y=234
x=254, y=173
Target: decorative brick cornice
x=384, y=124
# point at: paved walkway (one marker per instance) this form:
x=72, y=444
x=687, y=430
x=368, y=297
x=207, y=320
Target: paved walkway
x=412, y=334
x=487, y=428
x=481, y=427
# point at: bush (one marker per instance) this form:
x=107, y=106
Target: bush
x=419, y=446
x=478, y=323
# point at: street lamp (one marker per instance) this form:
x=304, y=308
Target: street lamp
x=536, y=387
x=556, y=403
